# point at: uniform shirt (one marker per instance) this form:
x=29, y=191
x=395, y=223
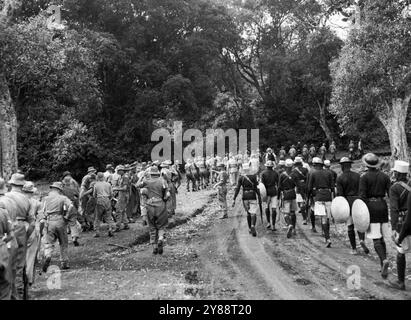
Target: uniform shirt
x=107, y=176
x=286, y=182
x=23, y=205
x=333, y=148
x=85, y=182
x=155, y=187
x=398, y=202
x=348, y=184
x=334, y=174
x=5, y=223
x=320, y=179
x=305, y=151
x=323, y=149
x=270, y=178
x=102, y=189
x=249, y=184
x=270, y=157
x=300, y=175
x=374, y=184
x=55, y=202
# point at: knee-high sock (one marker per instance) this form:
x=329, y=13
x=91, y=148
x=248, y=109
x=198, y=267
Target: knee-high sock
x=379, y=248
x=249, y=220
x=287, y=219
x=312, y=218
x=253, y=219
x=274, y=216
x=293, y=220
x=361, y=235
x=401, y=267
x=267, y=214
x=351, y=236
x=326, y=229
x=304, y=211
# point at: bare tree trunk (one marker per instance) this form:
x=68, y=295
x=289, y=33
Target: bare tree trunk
x=393, y=118
x=323, y=122
x=8, y=131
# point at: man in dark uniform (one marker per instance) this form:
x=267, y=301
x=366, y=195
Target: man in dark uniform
x=287, y=190
x=270, y=178
x=251, y=197
x=348, y=184
x=300, y=174
x=71, y=190
x=321, y=187
x=305, y=153
x=374, y=186
x=399, y=195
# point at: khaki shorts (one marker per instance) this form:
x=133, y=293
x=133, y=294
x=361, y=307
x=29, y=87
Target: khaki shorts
x=290, y=206
x=322, y=209
x=378, y=230
x=251, y=206
x=272, y=202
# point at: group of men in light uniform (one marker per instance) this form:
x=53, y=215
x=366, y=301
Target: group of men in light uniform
x=30, y=227
x=294, y=186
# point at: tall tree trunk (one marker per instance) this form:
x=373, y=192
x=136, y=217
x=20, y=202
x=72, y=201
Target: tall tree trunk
x=8, y=131
x=393, y=118
x=323, y=122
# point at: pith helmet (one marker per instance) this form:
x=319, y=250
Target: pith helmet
x=401, y=166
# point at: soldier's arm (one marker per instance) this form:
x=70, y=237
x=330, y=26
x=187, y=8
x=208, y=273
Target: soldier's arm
x=394, y=209
x=237, y=188
x=363, y=187
x=340, y=189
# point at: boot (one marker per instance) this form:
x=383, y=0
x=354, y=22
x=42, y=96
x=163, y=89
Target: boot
x=379, y=248
x=110, y=234
x=155, y=249
x=249, y=221
x=253, y=223
x=160, y=247
x=267, y=215
x=64, y=265
x=76, y=243
x=126, y=227
x=273, y=219
x=351, y=236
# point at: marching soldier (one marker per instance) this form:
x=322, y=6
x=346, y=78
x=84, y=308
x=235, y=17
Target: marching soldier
x=34, y=238
x=24, y=226
x=71, y=191
x=374, y=186
x=305, y=153
x=399, y=195
x=287, y=190
x=312, y=153
x=292, y=152
x=321, y=187
x=323, y=151
x=270, y=156
x=103, y=193
x=167, y=175
x=351, y=147
x=251, y=194
x=123, y=190
x=327, y=167
x=155, y=205
x=300, y=174
x=333, y=151
x=222, y=189
x=56, y=207
x=270, y=178
x=85, y=197
x=283, y=153
x=348, y=184
x=233, y=171
x=109, y=172
x=6, y=239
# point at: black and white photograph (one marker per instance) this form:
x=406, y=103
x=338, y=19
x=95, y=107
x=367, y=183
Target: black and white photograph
x=205, y=155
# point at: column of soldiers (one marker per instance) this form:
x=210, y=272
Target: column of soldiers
x=117, y=197
x=293, y=186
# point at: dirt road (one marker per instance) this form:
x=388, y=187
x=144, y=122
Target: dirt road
x=208, y=258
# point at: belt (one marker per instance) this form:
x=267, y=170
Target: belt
x=324, y=189
x=21, y=219
x=375, y=199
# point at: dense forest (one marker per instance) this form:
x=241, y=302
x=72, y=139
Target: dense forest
x=91, y=88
